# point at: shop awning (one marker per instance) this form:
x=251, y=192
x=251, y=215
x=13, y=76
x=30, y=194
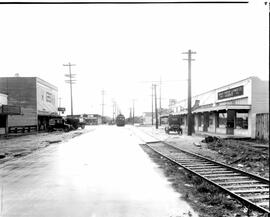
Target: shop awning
x=179, y=113
x=223, y=107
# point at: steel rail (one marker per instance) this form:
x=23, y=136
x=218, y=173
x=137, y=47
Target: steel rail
x=243, y=200
x=262, y=179
x=188, y=159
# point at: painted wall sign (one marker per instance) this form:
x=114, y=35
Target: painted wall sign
x=11, y=110
x=50, y=98
x=233, y=92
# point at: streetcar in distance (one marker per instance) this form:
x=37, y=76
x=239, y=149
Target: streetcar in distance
x=120, y=120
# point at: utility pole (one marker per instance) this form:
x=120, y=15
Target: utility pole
x=133, y=112
x=102, y=105
x=189, y=116
x=156, y=110
x=70, y=82
x=59, y=105
x=113, y=110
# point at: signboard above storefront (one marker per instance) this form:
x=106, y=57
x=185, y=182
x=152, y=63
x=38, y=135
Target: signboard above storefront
x=233, y=92
x=10, y=110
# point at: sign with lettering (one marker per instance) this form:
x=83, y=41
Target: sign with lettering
x=61, y=109
x=233, y=92
x=11, y=110
x=50, y=98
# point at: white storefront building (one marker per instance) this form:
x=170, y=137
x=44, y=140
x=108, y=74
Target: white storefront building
x=228, y=110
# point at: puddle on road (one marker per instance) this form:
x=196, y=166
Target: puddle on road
x=103, y=173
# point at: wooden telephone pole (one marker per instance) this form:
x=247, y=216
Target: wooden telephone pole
x=70, y=81
x=189, y=115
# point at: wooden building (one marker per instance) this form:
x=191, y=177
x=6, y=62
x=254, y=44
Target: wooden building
x=228, y=110
x=36, y=98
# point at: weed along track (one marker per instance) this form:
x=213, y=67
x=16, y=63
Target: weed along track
x=251, y=190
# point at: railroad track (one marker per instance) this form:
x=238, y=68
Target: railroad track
x=251, y=190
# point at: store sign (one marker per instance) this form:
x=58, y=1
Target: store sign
x=237, y=91
x=11, y=110
x=50, y=98
x=61, y=109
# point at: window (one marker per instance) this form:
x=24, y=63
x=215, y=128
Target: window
x=202, y=119
x=241, y=120
x=211, y=119
x=222, y=119
x=199, y=120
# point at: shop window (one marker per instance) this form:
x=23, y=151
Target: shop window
x=211, y=120
x=199, y=120
x=241, y=120
x=222, y=120
x=202, y=119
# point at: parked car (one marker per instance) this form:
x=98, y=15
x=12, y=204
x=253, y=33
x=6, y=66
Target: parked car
x=174, y=124
x=58, y=123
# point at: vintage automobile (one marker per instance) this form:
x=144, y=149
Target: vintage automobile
x=174, y=124
x=58, y=123
x=75, y=121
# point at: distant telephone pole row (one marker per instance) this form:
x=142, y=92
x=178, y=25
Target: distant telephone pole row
x=156, y=109
x=189, y=116
x=102, y=105
x=70, y=81
x=133, y=112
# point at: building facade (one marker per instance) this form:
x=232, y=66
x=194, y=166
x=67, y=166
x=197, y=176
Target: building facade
x=36, y=98
x=93, y=119
x=228, y=110
x=6, y=111
x=148, y=118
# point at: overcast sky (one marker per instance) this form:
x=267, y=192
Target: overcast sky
x=122, y=48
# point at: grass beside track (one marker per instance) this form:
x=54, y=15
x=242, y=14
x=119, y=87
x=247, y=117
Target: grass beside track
x=207, y=200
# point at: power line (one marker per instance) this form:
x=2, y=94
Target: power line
x=70, y=82
x=163, y=81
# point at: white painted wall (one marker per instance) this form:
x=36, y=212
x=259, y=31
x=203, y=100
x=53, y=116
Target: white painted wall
x=47, y=98
x=260, y=101
x=3, y=99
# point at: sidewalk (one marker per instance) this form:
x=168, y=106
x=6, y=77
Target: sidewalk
x=24, y=145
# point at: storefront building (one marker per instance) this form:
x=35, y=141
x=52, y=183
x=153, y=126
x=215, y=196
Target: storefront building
x=36, y=98
x=228, y=110
x=6, y=111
